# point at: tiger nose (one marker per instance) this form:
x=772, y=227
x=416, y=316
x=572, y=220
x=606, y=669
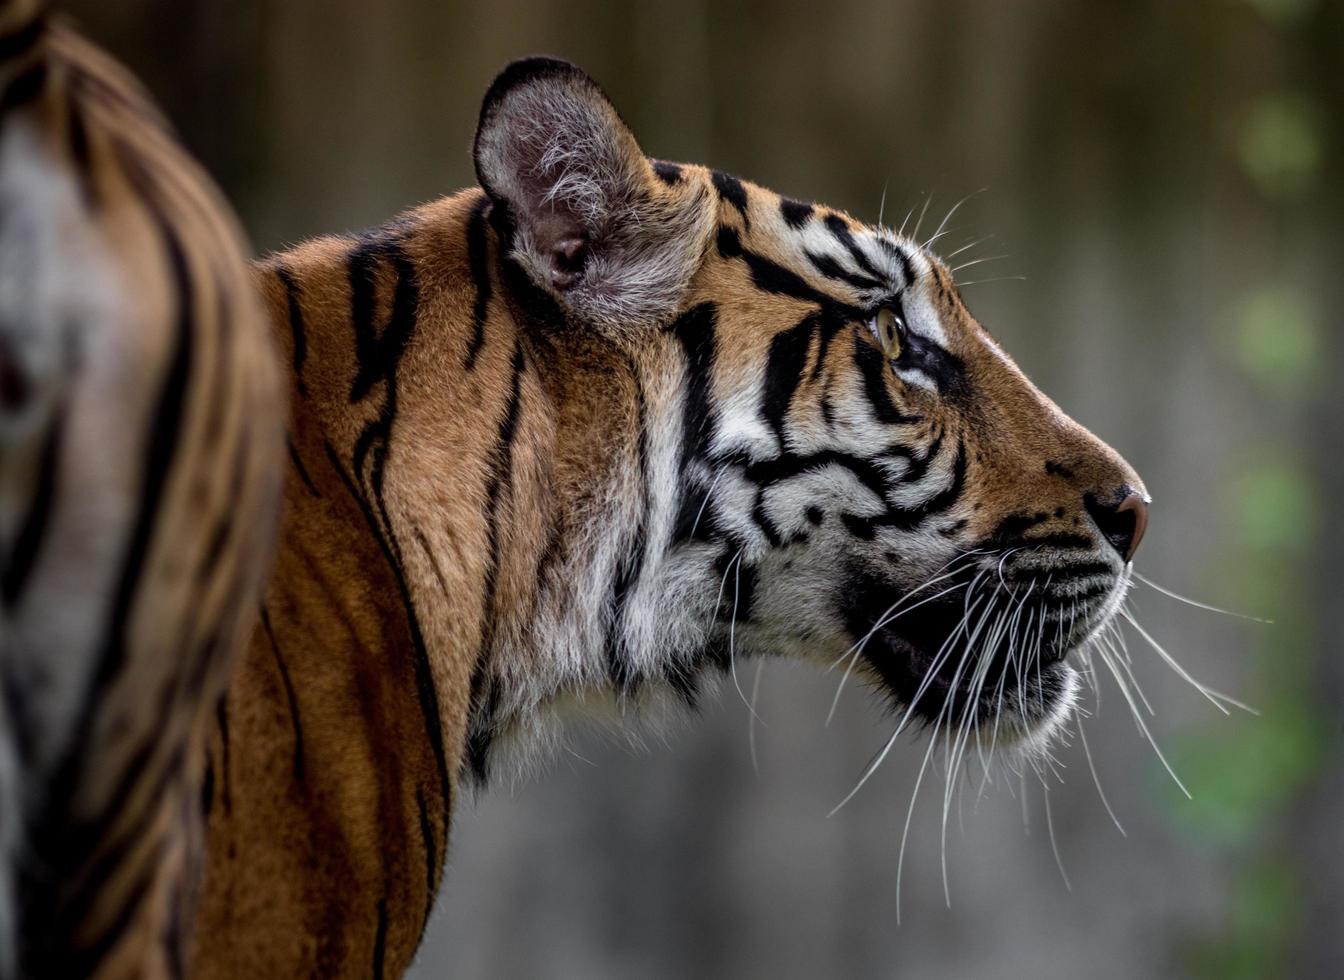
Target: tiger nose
x=1122, y=523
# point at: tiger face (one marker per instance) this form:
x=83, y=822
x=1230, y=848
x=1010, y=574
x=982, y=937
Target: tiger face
x=893, y=491
x=835, y=460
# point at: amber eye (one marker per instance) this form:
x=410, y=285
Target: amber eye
x=887, y=327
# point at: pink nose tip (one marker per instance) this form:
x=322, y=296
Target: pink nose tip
x=1122, y=524
x=1135, y=504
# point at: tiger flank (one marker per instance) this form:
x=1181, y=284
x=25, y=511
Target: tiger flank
x=597, y=430
x=141, y=428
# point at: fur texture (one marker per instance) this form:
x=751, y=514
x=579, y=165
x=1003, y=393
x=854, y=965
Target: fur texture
x=140, y=450
x=586, y=436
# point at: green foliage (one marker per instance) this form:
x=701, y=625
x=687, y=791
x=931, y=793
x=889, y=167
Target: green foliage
x=1274, y=510
x=1281, y=145
x=1279, y=343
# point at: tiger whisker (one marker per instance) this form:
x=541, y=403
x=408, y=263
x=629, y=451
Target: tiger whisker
x=856, y=651
x=1054, y=844
x=1091, y=765
x=908, y=715
x=886, y=618
x=732, y=630
x=960, y=740
x=966, y=265
x=923, y=211
x=906, y=221
x=1138, y=720
x=953, y=755
x=981, y=282
x=1216, y=698
x=948, y=217
x=1194, y=602
x=968, y=245
x=909, y=813
x=754, y=717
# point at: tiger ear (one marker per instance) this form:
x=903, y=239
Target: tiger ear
x=592, y=223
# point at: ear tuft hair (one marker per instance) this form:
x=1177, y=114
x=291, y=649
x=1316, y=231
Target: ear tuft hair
x=593, y=224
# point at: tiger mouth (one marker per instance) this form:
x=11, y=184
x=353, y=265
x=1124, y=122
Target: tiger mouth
x=1000, y=663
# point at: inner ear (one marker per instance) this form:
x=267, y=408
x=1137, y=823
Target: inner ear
x=591, y=222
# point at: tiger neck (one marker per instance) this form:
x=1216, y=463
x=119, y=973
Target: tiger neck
x=442, y=431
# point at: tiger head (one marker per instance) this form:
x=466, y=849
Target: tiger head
x=822, y=453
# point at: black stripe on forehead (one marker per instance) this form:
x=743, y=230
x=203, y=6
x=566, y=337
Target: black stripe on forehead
x=896, y=252
x=774, y=278
x=832, y=269
x=837, y=227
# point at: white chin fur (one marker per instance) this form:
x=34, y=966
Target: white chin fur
x=1022, y=744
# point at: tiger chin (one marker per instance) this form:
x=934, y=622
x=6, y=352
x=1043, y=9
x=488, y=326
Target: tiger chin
x=611, y=425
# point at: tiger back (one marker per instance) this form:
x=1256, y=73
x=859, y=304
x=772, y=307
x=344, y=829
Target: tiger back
x=140, y=445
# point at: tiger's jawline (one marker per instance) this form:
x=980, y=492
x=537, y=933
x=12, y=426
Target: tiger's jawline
x=524, y=748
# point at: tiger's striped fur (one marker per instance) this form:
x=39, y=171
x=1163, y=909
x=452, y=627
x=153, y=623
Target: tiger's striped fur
x=141, y=427
x=586, y=433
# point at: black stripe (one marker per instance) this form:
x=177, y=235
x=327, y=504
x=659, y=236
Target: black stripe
x=290, y=696
x=24, y=87
x=433, y=561
x=837, y=227
x=919, y=462
x=896, y=252
x=630, y=565
x=296, y=324
x=767, y=472
x=909, y=518
x=695, y=518
x=737, y=601
x=431, y=856
x=732, y=191
x=872, y=364
x=478, y=740
x=300, y=468
x=774, y=278
x=379, y=360
x=795, y=213
x=668, y=173
x=81, y=154
x=115, y=854
x=477, y=256
x=83, y=960
x=362, y=273
x=222, y=721
x=1010, y=530
x=831, y=269
x=428, y=694
x=21, y=559
x=380, y=940
x=784, y=372
x=18, y=42
x=944, y=368
x=695, y=331
x=164, y=428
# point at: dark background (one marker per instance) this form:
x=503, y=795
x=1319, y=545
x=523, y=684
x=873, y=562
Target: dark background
x=1167, y=179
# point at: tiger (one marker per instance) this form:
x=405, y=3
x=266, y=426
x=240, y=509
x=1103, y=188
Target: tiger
x=141, y=467
x=594, y=433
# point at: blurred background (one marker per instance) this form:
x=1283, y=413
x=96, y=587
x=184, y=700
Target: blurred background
x=1165, y=182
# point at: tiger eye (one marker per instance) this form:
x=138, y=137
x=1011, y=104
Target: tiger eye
x=889, y=332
